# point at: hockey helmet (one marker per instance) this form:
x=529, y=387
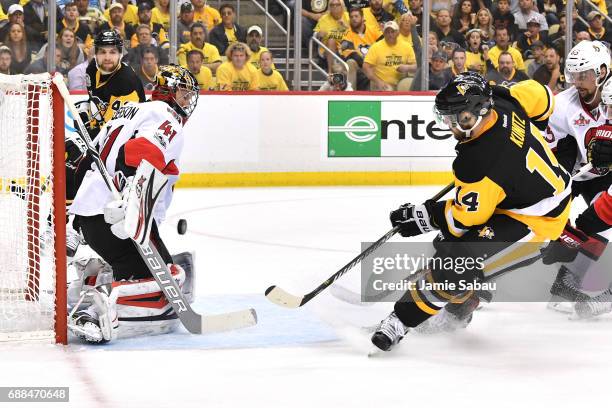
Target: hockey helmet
x=467, y=92
x=170, y=78
x=108, y=38
x=586, y=56
x=606, y=93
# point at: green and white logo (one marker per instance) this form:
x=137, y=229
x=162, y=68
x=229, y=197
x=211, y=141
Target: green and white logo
x=353, y=129
x=395, y=128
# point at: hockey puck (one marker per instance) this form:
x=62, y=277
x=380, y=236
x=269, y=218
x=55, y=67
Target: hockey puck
x=181, y=227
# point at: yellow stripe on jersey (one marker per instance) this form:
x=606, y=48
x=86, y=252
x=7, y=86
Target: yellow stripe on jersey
x=116, y=102
x=476, y=202
x=535, y=98
x=547, y=227
x=514, y=254
x=422, y=305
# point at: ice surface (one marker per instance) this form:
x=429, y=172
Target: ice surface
x=247, y=239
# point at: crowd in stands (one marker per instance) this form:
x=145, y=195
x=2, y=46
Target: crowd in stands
x=380, y=41
x=505, y=40
x=221, y=54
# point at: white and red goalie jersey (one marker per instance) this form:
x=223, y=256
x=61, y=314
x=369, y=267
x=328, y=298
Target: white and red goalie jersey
x=149, y=131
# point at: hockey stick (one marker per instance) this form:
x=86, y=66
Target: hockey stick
x=348, y=296
x=283, y=298
x=193, y=322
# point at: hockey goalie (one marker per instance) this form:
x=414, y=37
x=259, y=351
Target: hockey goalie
x=115, y=295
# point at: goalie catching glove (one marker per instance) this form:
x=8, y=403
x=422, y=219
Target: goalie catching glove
x=599, y=150
x=132, y=216
x=412, y=219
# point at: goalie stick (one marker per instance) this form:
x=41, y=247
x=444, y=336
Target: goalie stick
x=348, y=296
x=283, y=298
x=193, y=322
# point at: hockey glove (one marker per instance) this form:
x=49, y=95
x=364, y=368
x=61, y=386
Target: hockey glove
x=599, y=150
x=572, y=241
x=590, y=222
x=75, y=151
x=412, y=220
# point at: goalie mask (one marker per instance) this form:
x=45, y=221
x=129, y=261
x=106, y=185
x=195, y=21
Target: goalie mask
x=463, y=102
x=178, y=88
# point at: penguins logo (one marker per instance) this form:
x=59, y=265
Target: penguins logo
x=486, y=232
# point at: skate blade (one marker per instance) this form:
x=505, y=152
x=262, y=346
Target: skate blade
x=561, y=307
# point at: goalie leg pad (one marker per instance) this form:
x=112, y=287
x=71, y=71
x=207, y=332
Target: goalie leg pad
x=143, y=309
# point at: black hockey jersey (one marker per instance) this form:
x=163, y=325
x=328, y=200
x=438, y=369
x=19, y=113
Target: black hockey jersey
x=509, y=169
x=108, y=92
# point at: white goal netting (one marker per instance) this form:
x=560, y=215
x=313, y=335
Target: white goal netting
x=27, y=237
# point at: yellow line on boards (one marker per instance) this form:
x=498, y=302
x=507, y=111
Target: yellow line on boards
x=195, y=180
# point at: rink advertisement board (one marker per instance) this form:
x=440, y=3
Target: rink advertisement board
x=387, y=128
x=313, y=139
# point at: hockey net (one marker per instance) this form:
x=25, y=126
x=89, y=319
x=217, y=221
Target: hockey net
x=32, y=210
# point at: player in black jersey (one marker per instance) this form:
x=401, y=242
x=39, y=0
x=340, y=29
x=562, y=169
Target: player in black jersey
x=110, y=84
x=509, y=192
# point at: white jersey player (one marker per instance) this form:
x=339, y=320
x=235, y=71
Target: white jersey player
x=571, y=128
x=578, y=108
x=141, y=138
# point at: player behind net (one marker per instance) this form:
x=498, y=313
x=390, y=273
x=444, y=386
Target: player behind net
x=140, y=146
x=110, y=84
x=510, y=193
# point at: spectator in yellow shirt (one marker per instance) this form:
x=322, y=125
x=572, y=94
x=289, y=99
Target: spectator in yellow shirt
x=202, y=74
x=254, y=37
x=227, y=32
x=268, y=78
x=236, y=74
x=388, y=60
x=161, y=13
x=331, y=28
x=354, y=46
x=212, y=58
x=130, y=15
x=206, y=14
x=3, y=17
x=117, y=23
x=376, y=16
x=145, y=13
x=502, y=40
x=477, y=53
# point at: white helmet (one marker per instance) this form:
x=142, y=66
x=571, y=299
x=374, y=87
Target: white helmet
x=606, y=93
x=585, y=56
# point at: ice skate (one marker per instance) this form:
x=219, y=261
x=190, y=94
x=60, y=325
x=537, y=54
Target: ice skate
x=389, y=332
x=595, y=306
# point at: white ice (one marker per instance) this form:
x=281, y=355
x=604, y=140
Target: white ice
x=247, y=239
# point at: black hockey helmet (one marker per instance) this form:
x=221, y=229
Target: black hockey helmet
x=468, y=91
x=169, y=79
x=109, y=38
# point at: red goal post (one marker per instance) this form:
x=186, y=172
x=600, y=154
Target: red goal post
x=32, y=210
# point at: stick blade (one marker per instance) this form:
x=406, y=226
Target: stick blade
x=229, y=321
x=283, y=298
